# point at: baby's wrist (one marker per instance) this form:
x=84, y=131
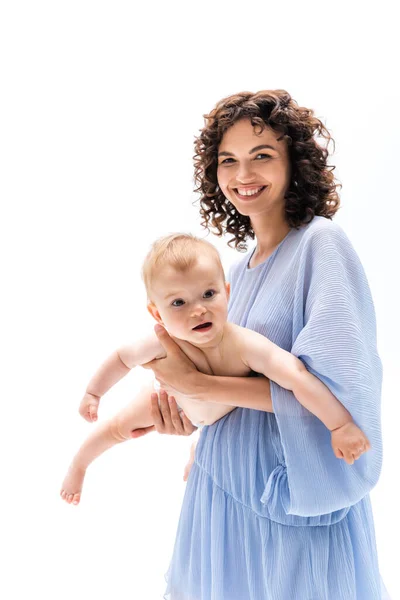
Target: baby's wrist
x=343, y=424
x=95, y=396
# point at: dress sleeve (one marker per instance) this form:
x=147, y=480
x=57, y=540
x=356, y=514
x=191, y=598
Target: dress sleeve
x=335, y=337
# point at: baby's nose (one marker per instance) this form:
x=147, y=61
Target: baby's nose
x=199, y=310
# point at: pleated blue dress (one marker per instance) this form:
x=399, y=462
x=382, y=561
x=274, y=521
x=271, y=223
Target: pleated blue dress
x=269, y=512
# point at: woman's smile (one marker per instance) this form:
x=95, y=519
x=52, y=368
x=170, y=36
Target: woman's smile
x=249, y=193
x=254, y=170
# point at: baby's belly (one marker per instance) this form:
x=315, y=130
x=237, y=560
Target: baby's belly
x=202, y=413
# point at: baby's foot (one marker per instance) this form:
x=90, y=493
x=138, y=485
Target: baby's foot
x=72, y=485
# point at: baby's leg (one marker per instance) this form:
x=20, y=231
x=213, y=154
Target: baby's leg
x=114, y=431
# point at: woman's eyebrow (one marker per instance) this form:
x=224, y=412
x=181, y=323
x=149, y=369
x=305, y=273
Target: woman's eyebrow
x=256, y=149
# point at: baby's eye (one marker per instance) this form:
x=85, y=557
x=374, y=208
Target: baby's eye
x=209, y=294
x=178, y=302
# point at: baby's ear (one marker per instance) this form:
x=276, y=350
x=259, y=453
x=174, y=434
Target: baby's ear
x=152, y=308
x=228, y=289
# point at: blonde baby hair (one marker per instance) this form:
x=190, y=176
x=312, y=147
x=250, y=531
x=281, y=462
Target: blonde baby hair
x=178, y=250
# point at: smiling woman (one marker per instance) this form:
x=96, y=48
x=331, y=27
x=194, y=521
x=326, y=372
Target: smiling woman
x=253, y=181
x=267, y=141
x=269, y=511
x=250, y=174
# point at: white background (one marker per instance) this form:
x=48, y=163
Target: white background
x=100, y=103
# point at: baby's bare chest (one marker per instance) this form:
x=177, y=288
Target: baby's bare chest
x=228, y=365
x=225, y=361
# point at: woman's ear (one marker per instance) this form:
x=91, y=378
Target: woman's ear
x=152, y=308
x=228, y=289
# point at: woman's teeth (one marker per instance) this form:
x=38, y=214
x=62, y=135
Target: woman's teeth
x=246, y=192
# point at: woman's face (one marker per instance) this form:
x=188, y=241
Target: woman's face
x=253, y=170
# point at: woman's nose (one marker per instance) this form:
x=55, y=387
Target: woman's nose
x=245, y=173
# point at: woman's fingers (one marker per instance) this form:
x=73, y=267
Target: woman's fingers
x=188, y=426
x=175, y=417
x=165, y=339
x=137, y=433
x=149, y=365
x=166, y=412
x=167, y=343
x=156, y=414
x=166, y=416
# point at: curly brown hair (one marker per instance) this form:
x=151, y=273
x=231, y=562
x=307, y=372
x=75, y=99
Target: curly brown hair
x=312, y=188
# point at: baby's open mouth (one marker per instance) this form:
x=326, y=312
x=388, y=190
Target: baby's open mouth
x=203, y=326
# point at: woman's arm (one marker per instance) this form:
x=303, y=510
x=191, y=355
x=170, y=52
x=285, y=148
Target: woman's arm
x=244, y=392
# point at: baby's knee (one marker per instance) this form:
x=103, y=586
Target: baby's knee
x=119, y=429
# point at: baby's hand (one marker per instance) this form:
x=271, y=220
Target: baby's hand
x=88, y=407
x=349, y=442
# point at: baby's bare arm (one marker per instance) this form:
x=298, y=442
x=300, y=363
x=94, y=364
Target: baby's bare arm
x=289, y=372
x=115, y=368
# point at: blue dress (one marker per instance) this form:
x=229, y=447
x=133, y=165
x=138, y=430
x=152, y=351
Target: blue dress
x=269, y=512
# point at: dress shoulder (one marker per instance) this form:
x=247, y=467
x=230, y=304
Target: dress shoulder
x=324, y=240
x=323, y=228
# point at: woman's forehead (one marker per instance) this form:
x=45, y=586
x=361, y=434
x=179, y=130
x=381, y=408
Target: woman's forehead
x=243, y=133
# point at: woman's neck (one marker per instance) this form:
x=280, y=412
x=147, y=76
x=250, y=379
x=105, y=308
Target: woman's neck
x=269, y=233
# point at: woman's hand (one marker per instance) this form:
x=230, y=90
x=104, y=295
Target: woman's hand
x=176, y=372
x=166, y=418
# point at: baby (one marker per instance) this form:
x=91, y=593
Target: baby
x=188, y=294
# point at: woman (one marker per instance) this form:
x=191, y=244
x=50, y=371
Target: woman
x=269, y=513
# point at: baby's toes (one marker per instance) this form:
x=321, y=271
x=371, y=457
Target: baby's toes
x=76, y=499
x=69, y=498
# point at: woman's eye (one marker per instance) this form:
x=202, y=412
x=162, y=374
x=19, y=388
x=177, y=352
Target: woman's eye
x=230, y=161
x=209, y=294
x=178, y=302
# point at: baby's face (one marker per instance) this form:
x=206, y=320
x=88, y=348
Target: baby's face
x=193, y=305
